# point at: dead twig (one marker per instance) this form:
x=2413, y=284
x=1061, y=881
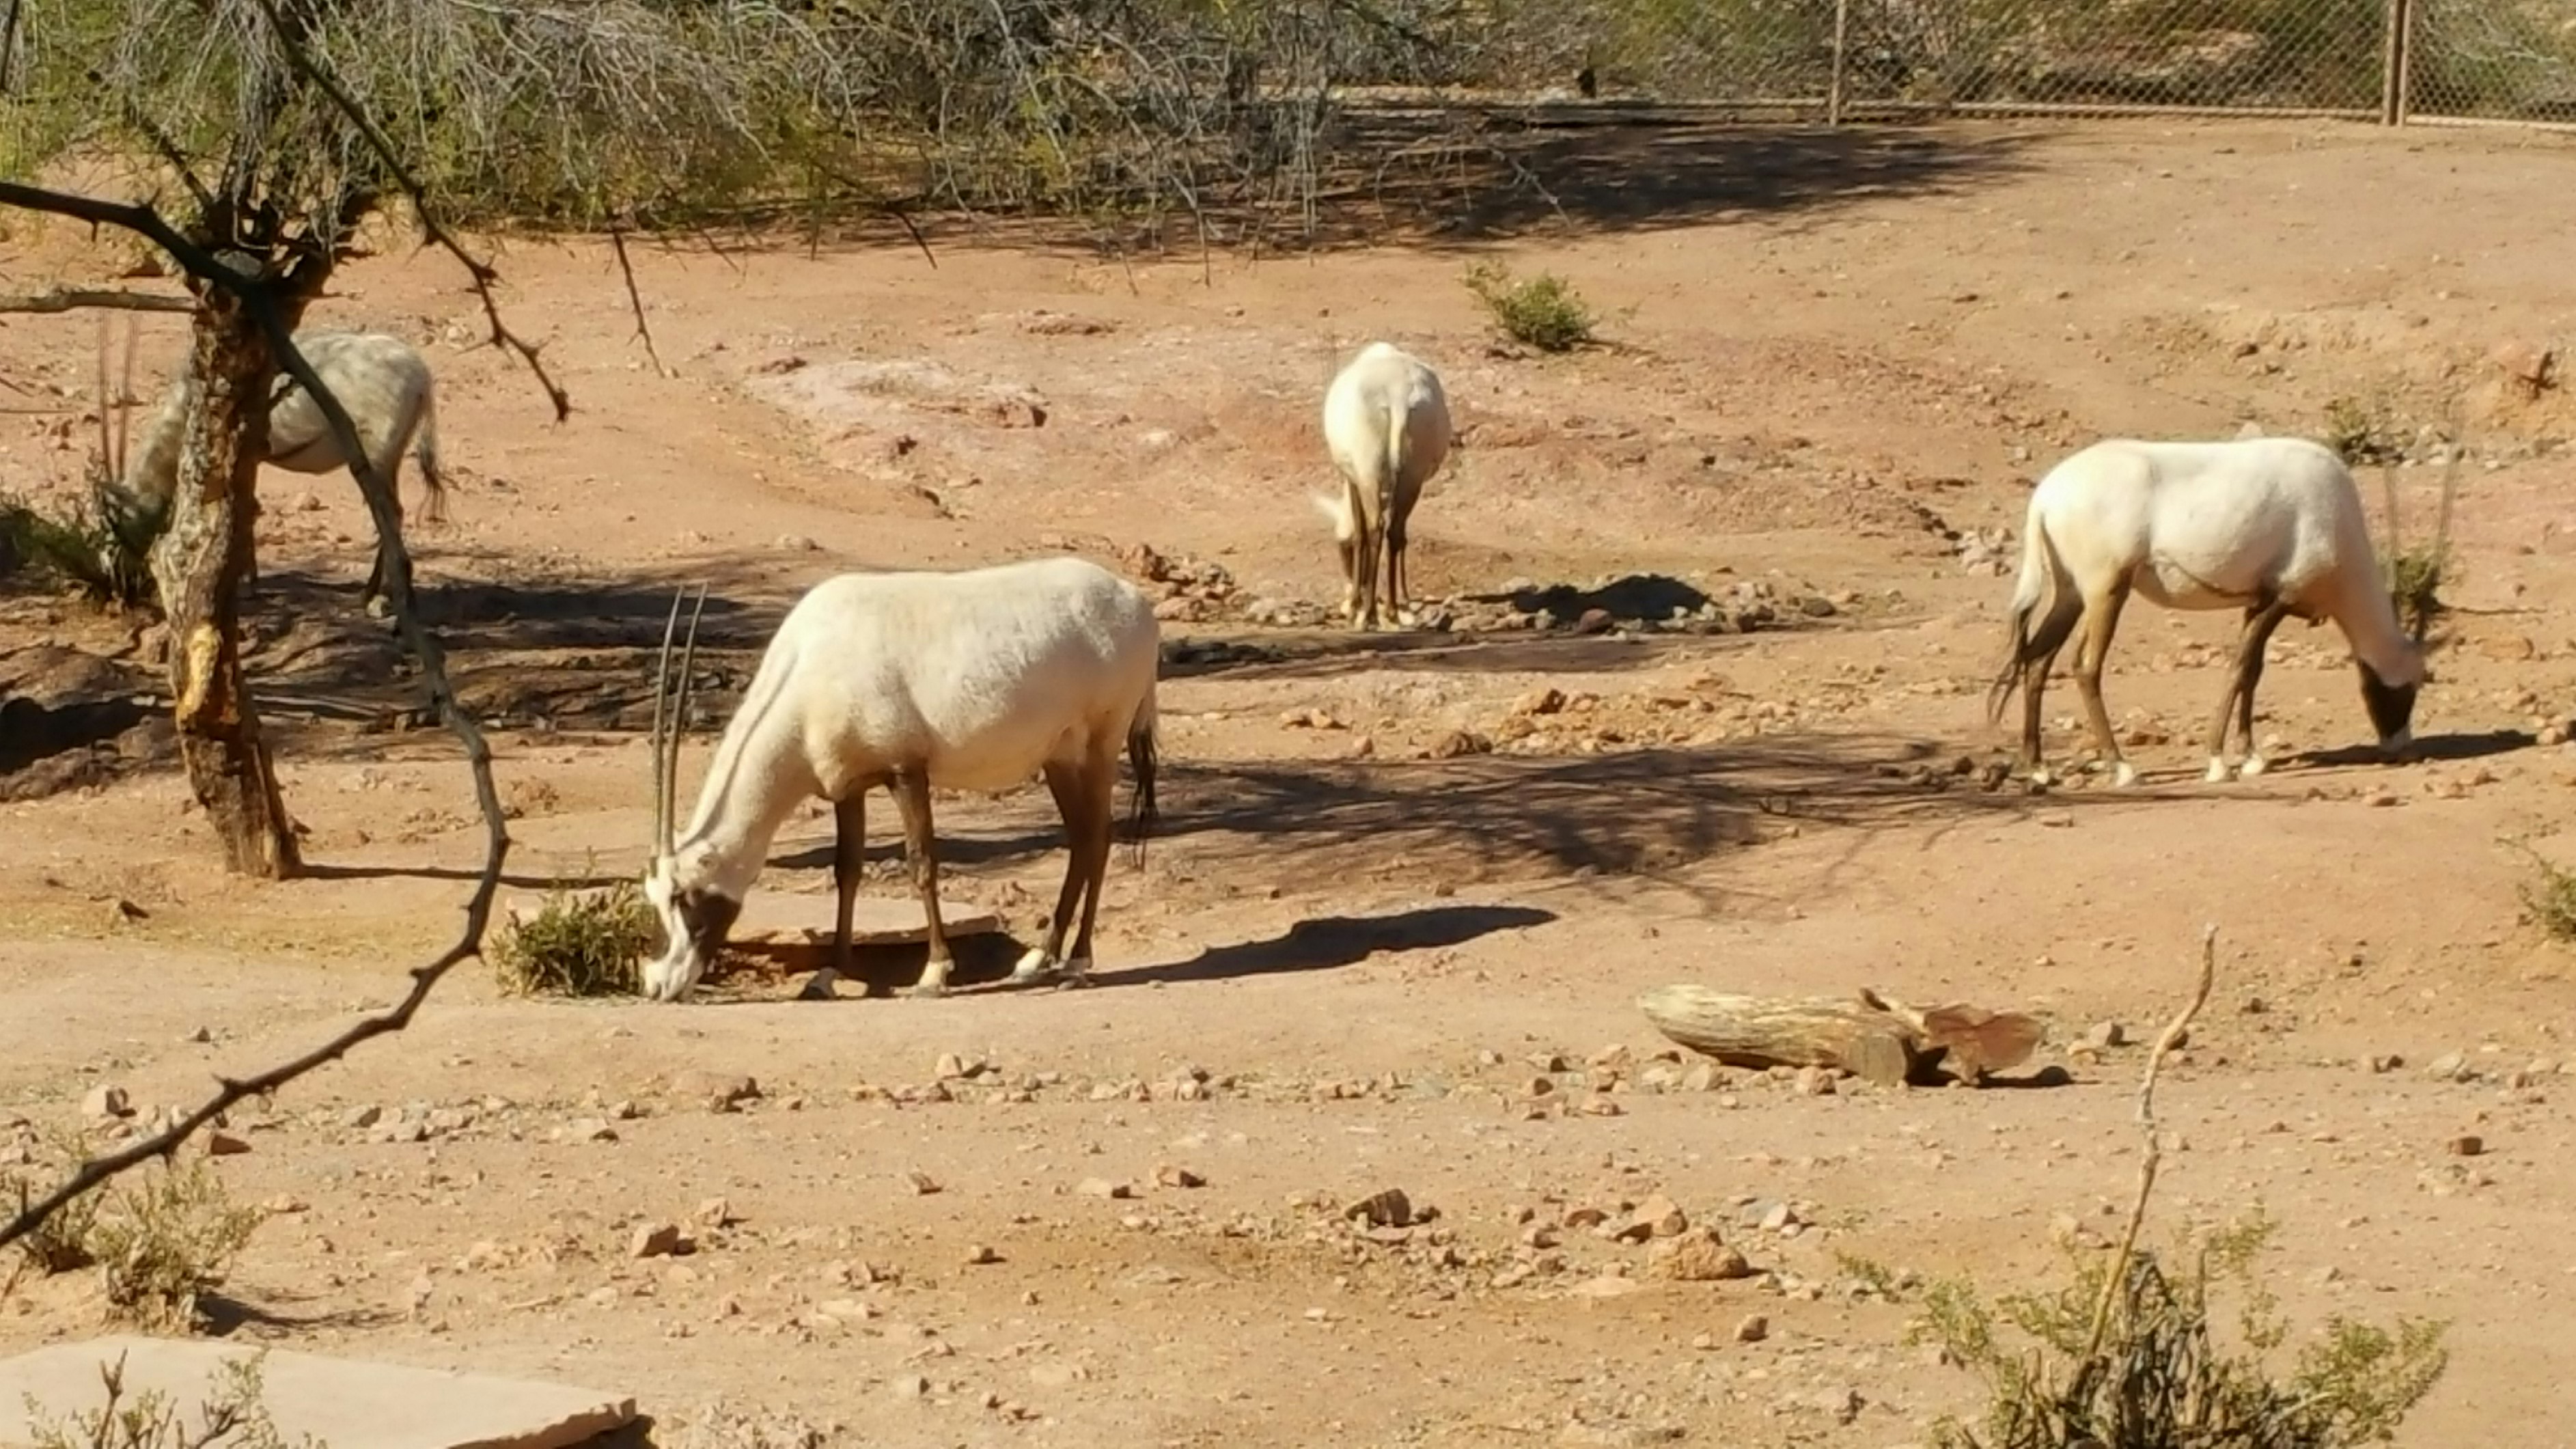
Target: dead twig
x=76, y=299
x=2147, y=1165
x=635, y=299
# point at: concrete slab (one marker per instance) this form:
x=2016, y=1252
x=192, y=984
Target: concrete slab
x=784, y=918
x=343, y=1403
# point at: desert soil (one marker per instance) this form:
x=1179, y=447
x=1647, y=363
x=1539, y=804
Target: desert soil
x=1398, y=883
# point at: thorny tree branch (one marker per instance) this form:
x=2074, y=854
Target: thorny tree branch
x=2172, y=1037
x=253, y=293
x=481, y=271
x=73, y=299
x=634, y=299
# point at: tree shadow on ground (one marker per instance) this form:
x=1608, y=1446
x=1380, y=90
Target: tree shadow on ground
x=1468, y=179
x=1466, y=176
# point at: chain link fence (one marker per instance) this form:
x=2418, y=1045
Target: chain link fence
x=2370, y=59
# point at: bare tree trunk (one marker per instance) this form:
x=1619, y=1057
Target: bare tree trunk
x=199, y=565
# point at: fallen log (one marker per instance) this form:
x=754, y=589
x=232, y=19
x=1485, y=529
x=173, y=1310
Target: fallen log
x=1871, y=1035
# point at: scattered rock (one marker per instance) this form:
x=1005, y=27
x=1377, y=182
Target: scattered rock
x=1696, y=1256
x=715, y=1212
x=2105, y=1035
x=1752, y=1328
x=2451, y=1067
x=225, y=1144
x=1387, y=1209
x=1657, y=1217
x=982, y=1255
x=586, y=1129
x=717, y=1091
x=2467, y=1145
x=362, y=1116
x=654, y=1240
x=921, y=1183
x=105, y=1101
x=1167, y=1175
x=1103, y=1187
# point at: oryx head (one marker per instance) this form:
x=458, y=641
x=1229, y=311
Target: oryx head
x=694, y=914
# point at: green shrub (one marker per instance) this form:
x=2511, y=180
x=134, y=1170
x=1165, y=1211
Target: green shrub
x=578, y=944
x=2161, y=1379
x=163, y=1244
x=1541, y=312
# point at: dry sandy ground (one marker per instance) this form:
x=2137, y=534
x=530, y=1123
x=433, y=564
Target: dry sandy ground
x=1831, y=351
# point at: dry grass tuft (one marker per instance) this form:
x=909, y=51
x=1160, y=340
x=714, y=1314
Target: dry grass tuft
x=1542, y=311
x=578, y=944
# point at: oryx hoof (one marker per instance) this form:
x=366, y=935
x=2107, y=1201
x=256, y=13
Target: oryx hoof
x=2253, y=766
x=2217, y=771
x=2123, y=775
x=926, y=990
x=823, y=985
x=1036, y=965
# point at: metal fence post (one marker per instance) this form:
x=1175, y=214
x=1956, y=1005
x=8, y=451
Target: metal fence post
x=1842, y=37
x=2395, y=62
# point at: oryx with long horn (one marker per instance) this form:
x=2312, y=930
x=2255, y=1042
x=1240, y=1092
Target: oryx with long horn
x=2272, y=526
x=975, y=680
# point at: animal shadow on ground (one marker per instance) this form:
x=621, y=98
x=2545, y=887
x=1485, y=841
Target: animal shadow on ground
x=985, y=959
x=2439, y=748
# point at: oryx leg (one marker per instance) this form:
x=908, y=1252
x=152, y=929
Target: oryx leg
x=2092, y=646
x=2260, y=620
x=1098, y=785
x=912, y=799
x=1399, y=599
x=849, y=850
x=2042, y=658
x=1072, y=802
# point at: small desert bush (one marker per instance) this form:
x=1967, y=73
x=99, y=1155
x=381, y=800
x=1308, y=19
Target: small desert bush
x=2363, y=432
x=2417, y=573
x=61, y=1243
x=2161, y=1378
x=2550, y=896
x=93, y=551
x=1542, y=311
x=233, y=1415
x=163, y=1244
x=578, y=944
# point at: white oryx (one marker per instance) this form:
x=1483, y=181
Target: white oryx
x=1386, y=425
x=974, y=680
x=2272, y=526
x=382, y=382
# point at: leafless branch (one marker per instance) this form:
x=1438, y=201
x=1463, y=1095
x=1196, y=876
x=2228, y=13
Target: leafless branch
x=480, y=271
x=75, y=299
x=635, y=299
x=2154, y=1158
x=380, y=498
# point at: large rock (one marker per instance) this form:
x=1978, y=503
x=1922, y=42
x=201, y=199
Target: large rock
x=345, y=1403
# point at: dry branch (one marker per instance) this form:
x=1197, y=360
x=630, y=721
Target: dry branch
x=75, y=299
x=253, y=293
x=2171, y=1037
x=1871, y=1036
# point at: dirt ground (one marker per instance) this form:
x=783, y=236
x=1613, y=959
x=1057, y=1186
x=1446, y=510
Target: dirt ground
x=1396, y=881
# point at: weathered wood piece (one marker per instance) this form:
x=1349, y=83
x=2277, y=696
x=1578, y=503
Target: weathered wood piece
x=1869, y=1035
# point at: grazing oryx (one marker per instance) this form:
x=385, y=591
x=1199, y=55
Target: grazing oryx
x=381, y=381
x=967, y=681
x=1386, y=424
x=2270, y=525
